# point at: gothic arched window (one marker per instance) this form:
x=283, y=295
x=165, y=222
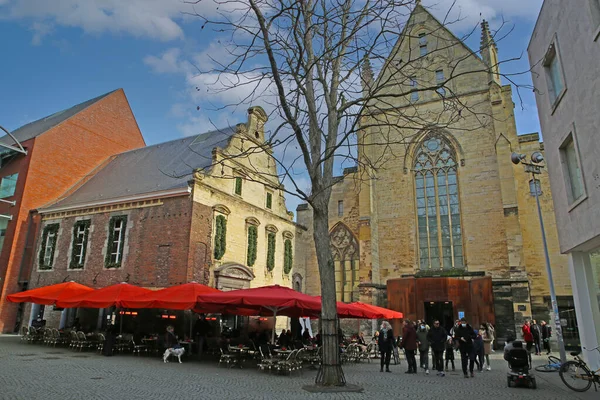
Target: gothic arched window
x=438, y=208
x=345, y=251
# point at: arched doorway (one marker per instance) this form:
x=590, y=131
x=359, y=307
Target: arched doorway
x=232, y=276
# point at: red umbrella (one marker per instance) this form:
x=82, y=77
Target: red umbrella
x=109, y=296
x=383, y=313
x=180, y=297
x=267, y=300
x=353, y=310
x=48, y=295
x=272, y=301
x=264, y=300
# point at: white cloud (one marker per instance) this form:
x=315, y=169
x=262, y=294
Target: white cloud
x=467, y=13
x=168, y=62
x=155, y=19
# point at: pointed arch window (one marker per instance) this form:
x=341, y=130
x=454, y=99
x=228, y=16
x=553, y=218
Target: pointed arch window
x=345, y=252
x=438, y=205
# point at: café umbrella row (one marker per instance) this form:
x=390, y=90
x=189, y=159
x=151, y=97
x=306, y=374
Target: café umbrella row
x=263, y=301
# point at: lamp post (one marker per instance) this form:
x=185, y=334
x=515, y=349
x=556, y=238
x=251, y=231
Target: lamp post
x=535, y=168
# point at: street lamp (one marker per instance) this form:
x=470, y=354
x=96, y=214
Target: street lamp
x=534, y=168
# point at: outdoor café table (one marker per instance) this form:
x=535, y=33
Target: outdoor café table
x=152, y=343
x=240, y=352
x=282, y=353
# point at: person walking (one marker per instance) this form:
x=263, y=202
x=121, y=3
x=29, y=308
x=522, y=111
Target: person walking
x=437, y=337
x=386, y=345
x=464, y=335
x=477, y=353
x=491, y=331
x=528, y=337
x=409, y=344
x=546, y=334
x=487, y=345
x=450, y=352
x=536, y=331
x=423, y=344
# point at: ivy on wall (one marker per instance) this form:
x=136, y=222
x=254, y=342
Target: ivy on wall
x=252, y=245
x=51, y=247
x=108, y=260
x=220, y=236
x=269, y=200
x=270, y=251
x=238, y=186
x=288, y=258
x=75, y=250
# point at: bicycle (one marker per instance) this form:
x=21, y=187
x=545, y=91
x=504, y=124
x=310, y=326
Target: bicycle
x=574, y=372
x=553, y=365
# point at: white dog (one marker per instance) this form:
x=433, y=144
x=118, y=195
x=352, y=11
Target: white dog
x=173, y=352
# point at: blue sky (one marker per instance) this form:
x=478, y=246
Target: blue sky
x=57, y=54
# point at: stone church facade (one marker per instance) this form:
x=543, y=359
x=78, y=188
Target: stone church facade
x=449, y=226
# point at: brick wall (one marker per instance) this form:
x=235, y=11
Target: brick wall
x=155, y=252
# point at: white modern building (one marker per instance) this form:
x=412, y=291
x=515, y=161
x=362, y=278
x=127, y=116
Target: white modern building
x=564, y=53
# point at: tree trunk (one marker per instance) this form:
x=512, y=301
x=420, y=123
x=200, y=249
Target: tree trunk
x=330, y=372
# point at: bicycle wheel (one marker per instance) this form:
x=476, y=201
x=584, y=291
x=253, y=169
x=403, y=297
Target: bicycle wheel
x=553, y=360
x=547, y=368
x=576, y=376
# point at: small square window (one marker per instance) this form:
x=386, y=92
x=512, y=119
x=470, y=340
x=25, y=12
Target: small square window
x=554, y=75
x=340, y=208
x=414, y=96
x=269, y=200
x=571, y=169
x=238, y=186
x=8, y=185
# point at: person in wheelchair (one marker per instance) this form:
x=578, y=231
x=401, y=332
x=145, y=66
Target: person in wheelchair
x=518, y=362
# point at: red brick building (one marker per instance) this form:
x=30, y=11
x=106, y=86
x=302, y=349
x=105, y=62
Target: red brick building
x=133, y=221
x=61, y=150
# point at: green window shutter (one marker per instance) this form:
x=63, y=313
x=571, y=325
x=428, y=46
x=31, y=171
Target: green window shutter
x=238, y=186
x=269, y=200
x=288, y=258
x=271, y=251
x=252, y=245
x=78, y=247
x=113, y=245
x=50, y=233
x=220, y=236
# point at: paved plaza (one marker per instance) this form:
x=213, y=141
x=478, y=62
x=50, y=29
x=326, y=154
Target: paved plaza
x=33, y=371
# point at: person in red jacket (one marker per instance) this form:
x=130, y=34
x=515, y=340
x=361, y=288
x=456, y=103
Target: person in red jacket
x=409, y=344
x=528, y=337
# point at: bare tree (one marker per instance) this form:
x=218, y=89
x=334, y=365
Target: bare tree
x=313, y=62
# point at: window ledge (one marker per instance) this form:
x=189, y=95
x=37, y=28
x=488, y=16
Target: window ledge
x=577, y=202
x=557, y=101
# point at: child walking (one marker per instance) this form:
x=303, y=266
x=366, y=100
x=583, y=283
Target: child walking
x=449, y=353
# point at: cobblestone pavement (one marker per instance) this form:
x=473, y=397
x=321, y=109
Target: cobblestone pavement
x=33, y=371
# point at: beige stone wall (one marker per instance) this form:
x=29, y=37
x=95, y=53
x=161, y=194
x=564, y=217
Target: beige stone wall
x=248, y=157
